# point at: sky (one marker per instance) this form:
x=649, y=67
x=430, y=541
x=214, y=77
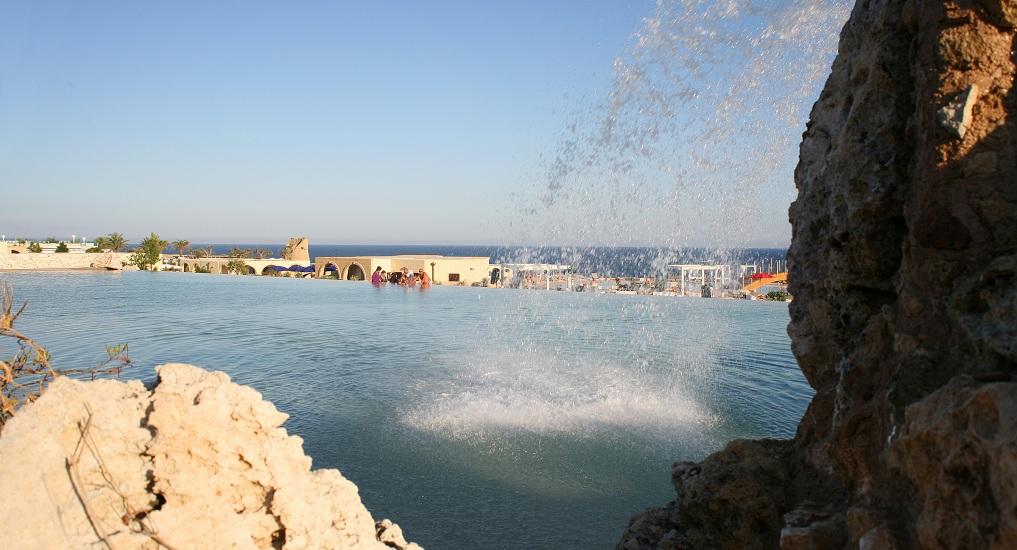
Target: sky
x=250, y=122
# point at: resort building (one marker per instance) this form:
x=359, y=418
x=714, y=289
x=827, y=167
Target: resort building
x=16, y=247
x=13, y=247
x=72, y=247
x=294, y=261
x=219, y=264
x=443, y=270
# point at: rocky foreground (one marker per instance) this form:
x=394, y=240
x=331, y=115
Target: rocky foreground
x=197, y=462
x=903, y=265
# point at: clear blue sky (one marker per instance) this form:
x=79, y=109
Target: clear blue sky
x=369, y=122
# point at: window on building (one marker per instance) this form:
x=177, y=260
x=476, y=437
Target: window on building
x=453, y=277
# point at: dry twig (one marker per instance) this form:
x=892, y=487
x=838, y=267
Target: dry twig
x=24, y=377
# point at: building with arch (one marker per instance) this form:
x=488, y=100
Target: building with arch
x=217, y=264
x=443, y=270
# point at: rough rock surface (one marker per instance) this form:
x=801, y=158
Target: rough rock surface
x=198, y=462
x=738, y=490
x=903, y=265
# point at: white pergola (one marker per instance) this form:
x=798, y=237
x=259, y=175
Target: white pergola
x=544, y=270
x=717, y=275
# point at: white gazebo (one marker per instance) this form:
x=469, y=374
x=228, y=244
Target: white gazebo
x=536, y=272
x=718, y=276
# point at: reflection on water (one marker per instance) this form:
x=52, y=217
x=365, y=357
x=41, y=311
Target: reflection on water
x=461, y=413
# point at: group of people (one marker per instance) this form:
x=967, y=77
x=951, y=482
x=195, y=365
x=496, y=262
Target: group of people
x=403, y=277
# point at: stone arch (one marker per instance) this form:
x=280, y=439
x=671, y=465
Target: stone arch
x=334, y=273
x=355, y=272
x=272, y=270
x=249, y=270
x=187, y=267
x=223, y=269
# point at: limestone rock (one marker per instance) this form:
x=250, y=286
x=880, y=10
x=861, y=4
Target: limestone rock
x=198, y=462
x=904, y=321
x=956, y=115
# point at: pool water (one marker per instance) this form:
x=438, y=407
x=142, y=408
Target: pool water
x=473, y=417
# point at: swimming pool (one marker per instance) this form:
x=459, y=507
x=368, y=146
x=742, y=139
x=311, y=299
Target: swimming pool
x=473, y=417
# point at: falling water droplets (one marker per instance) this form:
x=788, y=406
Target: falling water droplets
x=694, y=144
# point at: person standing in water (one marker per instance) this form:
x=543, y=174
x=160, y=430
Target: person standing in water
x=376, y=276
x=425, y=281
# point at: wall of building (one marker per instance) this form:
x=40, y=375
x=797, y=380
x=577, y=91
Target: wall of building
x=33, y=261
x=218, y=265
x=13, y=248
x=469, y=270
x=343, y=263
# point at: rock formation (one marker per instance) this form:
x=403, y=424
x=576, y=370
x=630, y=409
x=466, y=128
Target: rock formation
x=903, y=265
x=198, y=462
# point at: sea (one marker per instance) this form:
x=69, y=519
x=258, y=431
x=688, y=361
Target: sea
x=609, y=261
x=473, y=417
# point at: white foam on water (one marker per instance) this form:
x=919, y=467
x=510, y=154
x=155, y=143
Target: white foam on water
x=538, y=392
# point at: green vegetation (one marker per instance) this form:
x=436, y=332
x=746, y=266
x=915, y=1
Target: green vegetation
x=114, y=241
x=94, y=249
x=236, y=263
x=35, y=247
x=62, y=247
x=181, y=246
x=51, y=240
x=262, y=253
x=201, y=269
x=237, y=266
x=206, y=252
x=148, y=253
x=777, y=296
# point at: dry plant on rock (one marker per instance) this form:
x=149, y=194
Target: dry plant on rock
x=24, y=377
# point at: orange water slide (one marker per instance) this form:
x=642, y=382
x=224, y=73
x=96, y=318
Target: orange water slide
x=759, y=283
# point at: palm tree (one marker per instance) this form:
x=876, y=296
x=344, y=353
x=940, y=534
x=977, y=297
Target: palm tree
x=114, y=241
x=148, y=253
x=239, y=252
x=181, y=246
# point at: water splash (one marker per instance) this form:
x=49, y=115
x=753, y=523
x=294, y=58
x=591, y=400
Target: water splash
x=695, y=143
x=533, y=392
